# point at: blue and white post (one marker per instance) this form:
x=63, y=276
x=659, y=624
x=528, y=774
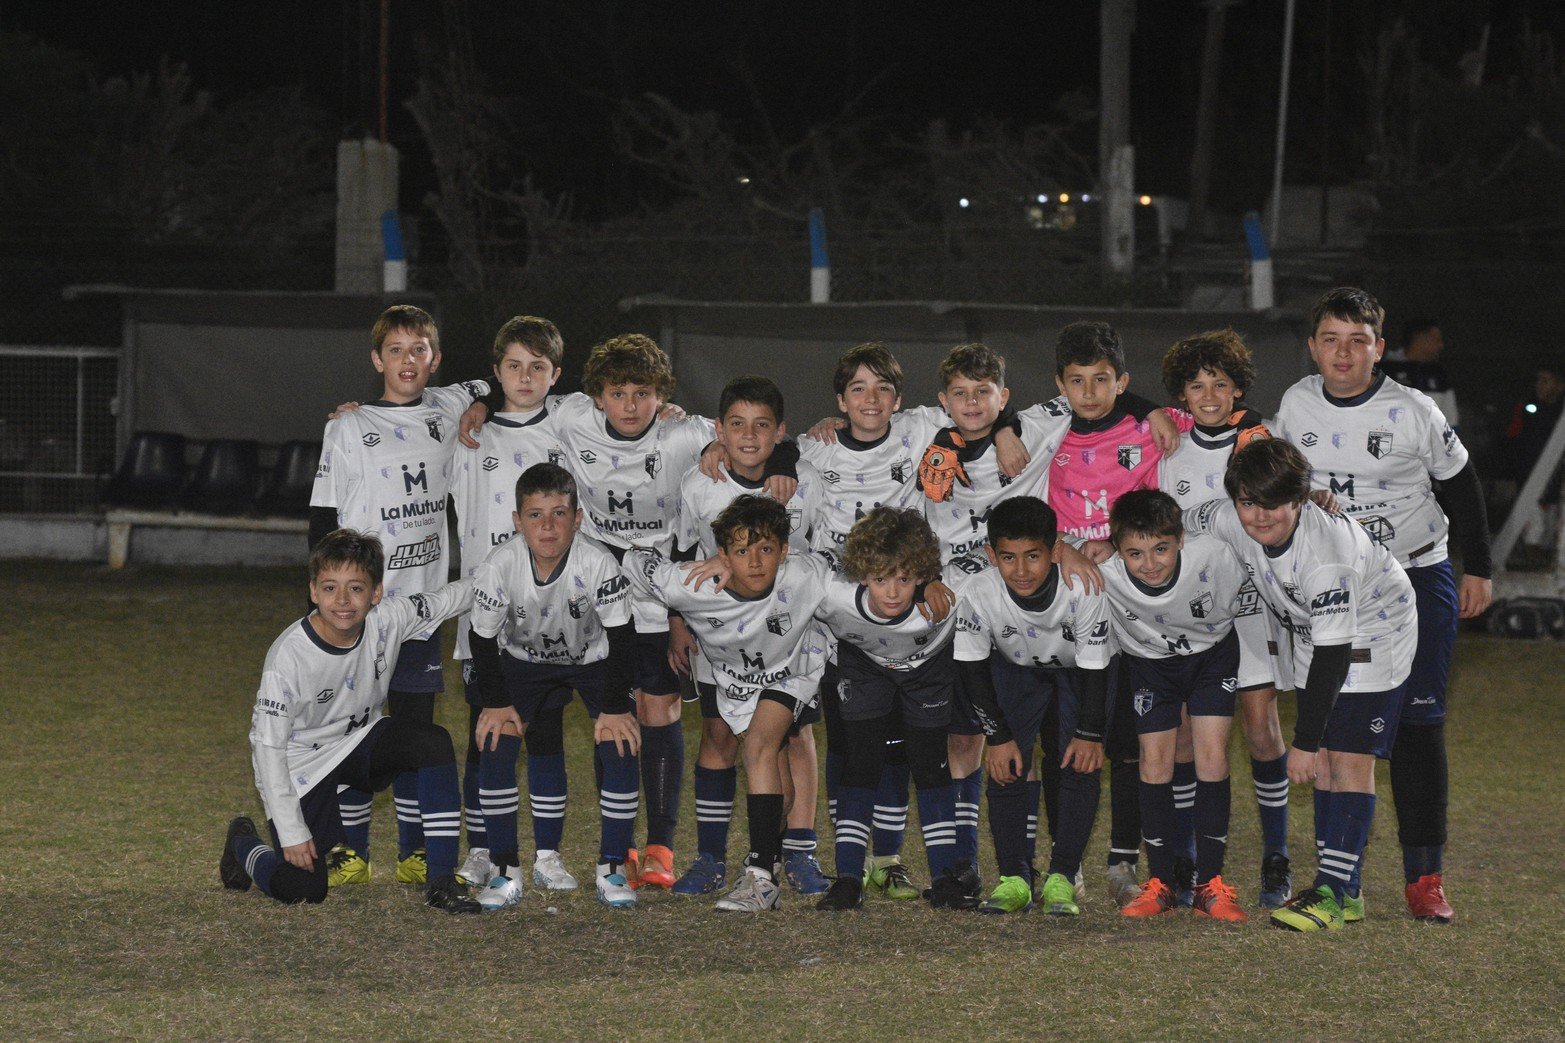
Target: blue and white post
x=394, y=277
x=1262, y=286
x=820, y=269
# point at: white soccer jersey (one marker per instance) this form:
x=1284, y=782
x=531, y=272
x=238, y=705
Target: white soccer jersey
x=483, y=486
x=316, y=702
x=1194, y=474
x=629, y=487
x=387, y=469
x=861, y=476
x=563, y=620
x=769, y=642
x=1071, y=630
x=701, y=500
x=903, y=643
x=1331, y=585
x=1192, y=613
x=962, y=522
x=1377, y=452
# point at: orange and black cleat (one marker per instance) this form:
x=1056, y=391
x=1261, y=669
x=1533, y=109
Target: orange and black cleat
x=657, y=867
x=1155, y=899
x=1426, y=900
x=1218, y=901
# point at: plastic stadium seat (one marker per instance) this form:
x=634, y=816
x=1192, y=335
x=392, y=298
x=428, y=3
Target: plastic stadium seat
x=226, y=479
x=288, y=487
x=152, y=472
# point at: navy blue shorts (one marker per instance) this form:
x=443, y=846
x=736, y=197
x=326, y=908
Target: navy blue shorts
x=1205, y=680
x=418, y=667
x=536, y=687
x=650, y=672
x=964, y=721
x=1434, y=591
x=1026, y=694
x=869, y=691
x=1365, y=722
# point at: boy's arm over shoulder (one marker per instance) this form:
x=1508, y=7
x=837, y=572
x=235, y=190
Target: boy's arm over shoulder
x=271, y=726
x=651, y=576
x=420, y=615
x=454, y=399
x=1214, y=516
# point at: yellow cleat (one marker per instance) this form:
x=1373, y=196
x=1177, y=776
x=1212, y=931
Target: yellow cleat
x=345, y=866
x=414, y=869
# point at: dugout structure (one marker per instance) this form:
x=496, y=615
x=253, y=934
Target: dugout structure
x=797, y=345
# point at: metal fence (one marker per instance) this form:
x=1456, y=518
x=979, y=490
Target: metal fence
x=57, y=428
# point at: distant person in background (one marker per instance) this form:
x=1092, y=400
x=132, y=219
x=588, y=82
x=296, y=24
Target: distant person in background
x=1416, y=364
x=1532, y=421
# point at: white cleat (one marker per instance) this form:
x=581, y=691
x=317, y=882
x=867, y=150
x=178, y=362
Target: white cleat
x=1123, y=885
x=613, y=891
x=501, y=892
x=754, y=893
x=550, y=873
x=1081, y=886
x=477, y=870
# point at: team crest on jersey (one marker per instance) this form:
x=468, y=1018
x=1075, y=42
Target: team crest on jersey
x=1292, y=591
x=1201, y=607
x=324, y=695
x=901, y=471
x=588, y=456
x=1379, y=444
x=555, y=456
x=1309, y=440
x=779, y=623
x=972, y=566
x=1183, y=488
x=578, y=606
x=380, y=663
x=491, y=462
x=1143, y=701
x=432, y=423
x=1068, y=632
x=1129, y=456
x=653, y=464
x=1005, y=479
x=371, y=440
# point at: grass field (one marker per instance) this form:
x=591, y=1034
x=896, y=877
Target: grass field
x=126, y=703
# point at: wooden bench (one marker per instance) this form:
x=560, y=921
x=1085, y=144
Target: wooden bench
x=121, y=522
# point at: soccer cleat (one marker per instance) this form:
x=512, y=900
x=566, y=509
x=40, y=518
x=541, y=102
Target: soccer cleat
x=1184, y=882
x=754, y=893
x=1059, y=896
x=846, y=892
x=1276, y=881
x=1123, y=885
x=890, y=878
x=550, y=873
x=657, y=867
x=613, y=889
x=345, y=866
x=1081, y=886
x=414, y=869
x=1217, y=900
x=1313, y=910
x=478, y=870
x=1013, y=895
x=631, y=870
x=1426, y=900
x=1353, y=908
x=229, y=868
x=804, y=873
x=956, y=888
x=705, y=876
x=450, y=894
x=1154, y=899
x=501, y=892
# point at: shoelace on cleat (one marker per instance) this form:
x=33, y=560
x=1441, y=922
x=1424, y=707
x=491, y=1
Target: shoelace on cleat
x=1274, y=875
x=1216, y=889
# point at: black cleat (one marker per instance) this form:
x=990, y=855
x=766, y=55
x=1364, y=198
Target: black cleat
x=956, y=888
x=229, y=867
x=846, y=892
x=450, y=894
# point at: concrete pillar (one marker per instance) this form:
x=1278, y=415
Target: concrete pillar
x=366, y=189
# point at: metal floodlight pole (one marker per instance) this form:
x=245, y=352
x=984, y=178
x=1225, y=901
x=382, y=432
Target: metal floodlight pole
x=1282, y=120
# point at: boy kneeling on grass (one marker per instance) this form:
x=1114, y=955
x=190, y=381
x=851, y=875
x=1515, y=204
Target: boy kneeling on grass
x=318, y=724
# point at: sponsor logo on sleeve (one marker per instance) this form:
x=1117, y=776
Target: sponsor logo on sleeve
x=613, y=587
x=1330, y=602
x=421, y=606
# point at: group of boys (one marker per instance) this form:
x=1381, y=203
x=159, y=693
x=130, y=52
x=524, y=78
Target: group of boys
x=950, y=588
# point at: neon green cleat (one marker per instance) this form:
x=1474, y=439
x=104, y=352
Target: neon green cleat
x=1353, y=908
x=1313, y=910
x=889, y=877
x=1012, y=896
x=1059, y=896
x=345, y=866
x=414, y=869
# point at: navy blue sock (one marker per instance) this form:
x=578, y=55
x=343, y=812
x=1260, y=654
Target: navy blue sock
x=1322, y=808
x=500, y=798
x=798, y=841
x=1271, y=798
x=410, y=823
x=355, y=806
x=440, y=806
x=765, y=811
x=1213, y=805
x=937, y=815
x=890, y=810
x=546, y=786
x=1034, y=793
x=1421, y=861
x=714, y=809
x=619, y=798
x=259, y=860
x=1348, y=822
x=1184, y=809
x=662, y=769
x=1124, y=812
x=1157, y=829
x=1078, y=807
x=1008, y=816
x=968, y=791
x=854, y=806
x=472, y=806
x=833, y=782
